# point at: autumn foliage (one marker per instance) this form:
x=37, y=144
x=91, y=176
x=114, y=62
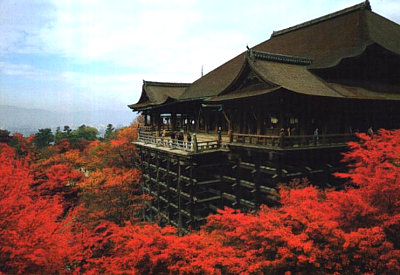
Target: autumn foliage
x=76, y=211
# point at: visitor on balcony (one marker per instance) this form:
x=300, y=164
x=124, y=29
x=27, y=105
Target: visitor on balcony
x=370, y=132
x=316, y=136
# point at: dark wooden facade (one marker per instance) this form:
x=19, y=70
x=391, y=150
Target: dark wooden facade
x=339, y=74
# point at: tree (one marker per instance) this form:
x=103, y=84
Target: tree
x=5, y=136
x=85, y=133
x=43, y=138
x=109, y=131
x=32, y=239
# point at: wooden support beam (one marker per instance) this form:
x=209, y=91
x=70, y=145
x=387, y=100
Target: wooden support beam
x=168, y=182
x=179, y=198
x=207, y=182
x=229, y=197
x=213, y=198
x=173, y=121
x=158, y=182
x=206, y=121
x=260, y=120
x=198, y=120
x=192, y=205
x=257, y=182
x=247, y=184
x=236, y=187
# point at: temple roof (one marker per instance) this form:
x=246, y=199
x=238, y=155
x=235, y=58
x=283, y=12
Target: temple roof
x=365, y=5
x=324, y=41
x=290, y=73
x=157, y=93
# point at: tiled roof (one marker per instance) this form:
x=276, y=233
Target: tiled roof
x=290, y=59
x=326, y=41
x=165, y=84
x=364, y=5
x=156, y=93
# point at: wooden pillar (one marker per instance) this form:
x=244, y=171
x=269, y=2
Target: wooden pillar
x=236, y=121
x=149, y=186
x=158, y=121
x=304, y=118
x=198, y=121
x=181, y=121
x=281, y=113
x=260, y=120
x=173, y=121
x=168, y=183
x=236, y=187
x=192, y=220
x=142, y=156
x=256, y=179
x=206, y=121
x=244, y=121
x=179, y=198
x=145, y=118
x=151, y=120
x=158, y=182
x=240, y=120
x=216, y=119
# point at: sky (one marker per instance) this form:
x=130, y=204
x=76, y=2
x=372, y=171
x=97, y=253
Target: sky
x=80, y=55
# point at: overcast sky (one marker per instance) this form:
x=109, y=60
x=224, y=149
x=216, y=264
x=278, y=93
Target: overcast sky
x=93, y=54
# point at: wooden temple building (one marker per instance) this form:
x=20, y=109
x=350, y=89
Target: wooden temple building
x=283, y=109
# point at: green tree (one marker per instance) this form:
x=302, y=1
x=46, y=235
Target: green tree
x=5, y=136
x=67, y=130
x=58, y=135
x=109, y=131
x=85, y=132
x=43, y=138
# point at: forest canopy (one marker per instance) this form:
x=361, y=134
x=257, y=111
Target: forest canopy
x=73, y=206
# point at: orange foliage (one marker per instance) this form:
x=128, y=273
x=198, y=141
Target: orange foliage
x=31, y=238
x=351, y=231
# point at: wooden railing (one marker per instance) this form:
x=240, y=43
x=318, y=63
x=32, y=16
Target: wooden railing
x=269, y=141
x=190, y=146
x=293, y=141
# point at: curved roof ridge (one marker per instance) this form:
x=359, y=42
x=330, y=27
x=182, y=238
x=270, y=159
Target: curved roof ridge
x=284, y=58
x=165, y=84
x=364, y=5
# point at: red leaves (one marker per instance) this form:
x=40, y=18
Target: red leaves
x=31, y=240
x=375, y=168
x=353, y=231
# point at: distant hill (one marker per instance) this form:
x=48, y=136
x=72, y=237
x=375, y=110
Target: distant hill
x=26, y=121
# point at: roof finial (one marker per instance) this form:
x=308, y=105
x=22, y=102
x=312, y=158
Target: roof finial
x=367, y=4
x=247, y=46
x=201, y=70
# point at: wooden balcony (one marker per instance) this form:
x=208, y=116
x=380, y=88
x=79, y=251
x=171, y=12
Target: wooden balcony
x=199, y=143
x=202, y=142
x=293, y=142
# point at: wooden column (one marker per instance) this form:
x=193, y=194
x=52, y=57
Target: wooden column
x=256, y=180
x=145, y=118
x=198, y=121
x=216, y=119
x=152, y=123
x=236, y=186
x=168, y=183
x=244, y=121
x=173, y=121
x=158, y=121
x=206, y=121
x=179, y=189
x=158, y=182
x=192, y=219
x=281, y=113
x=260, y=120
x=181, y=121
x=143, y=168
